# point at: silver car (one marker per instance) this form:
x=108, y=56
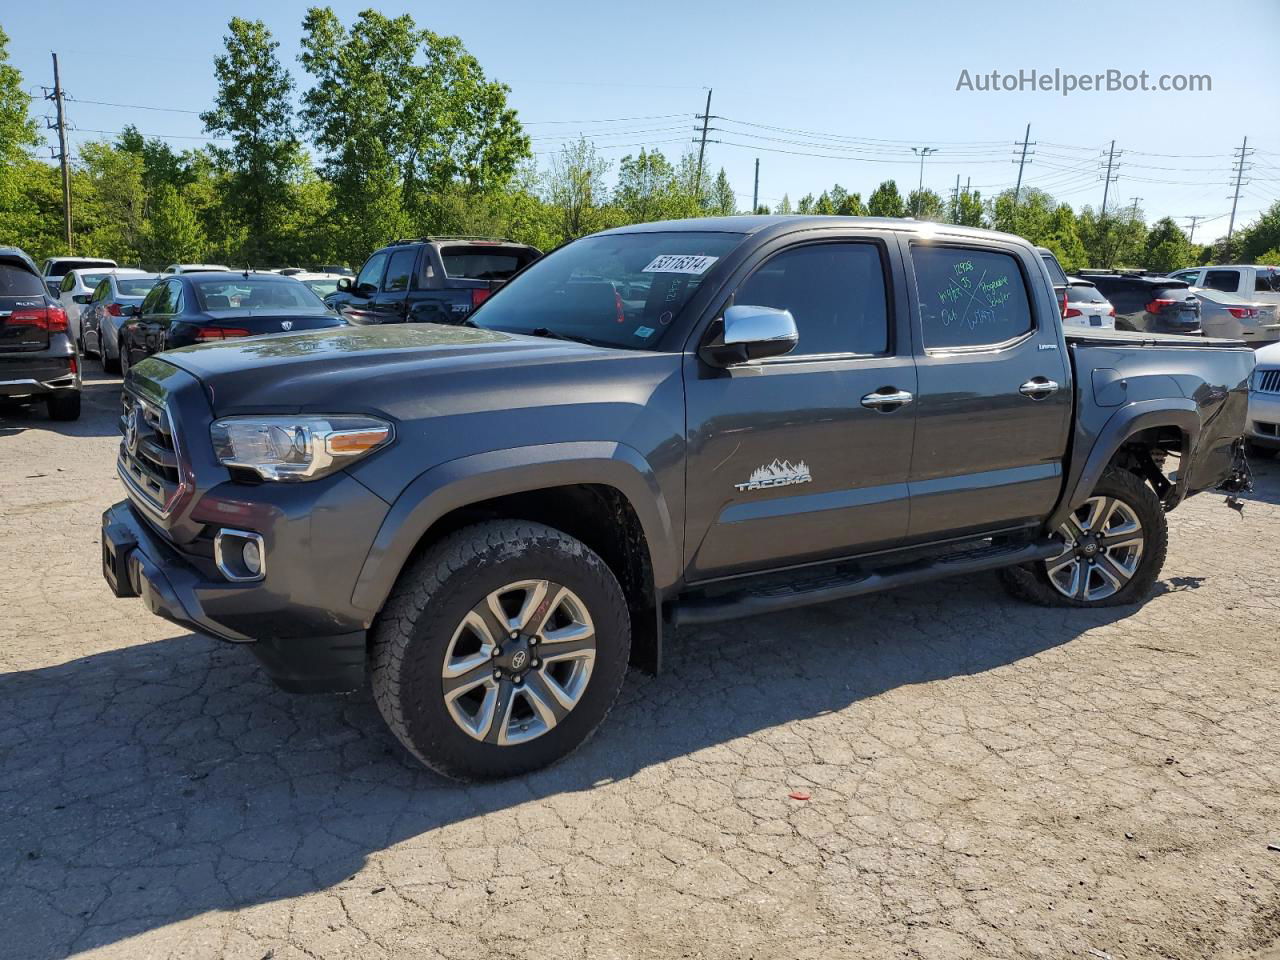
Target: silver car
x=109, y=306
x=1235, y=317
x=1263, y=430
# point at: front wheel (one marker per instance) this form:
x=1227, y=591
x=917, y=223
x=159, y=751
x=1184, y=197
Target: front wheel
x=1115, y=545
x=500, y=650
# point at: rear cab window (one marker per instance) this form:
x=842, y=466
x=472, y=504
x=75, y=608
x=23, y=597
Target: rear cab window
x=474, y=262
x=1055, y=271
x=1267, y=280
x=1225, y=280
x=969, y=297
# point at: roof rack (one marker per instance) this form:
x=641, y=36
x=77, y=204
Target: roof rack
x=460, y=237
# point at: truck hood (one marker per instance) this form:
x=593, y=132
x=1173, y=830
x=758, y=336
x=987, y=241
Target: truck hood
x=354, y=368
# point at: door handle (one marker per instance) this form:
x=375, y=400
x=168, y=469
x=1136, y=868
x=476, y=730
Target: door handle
x=1037, y=388
x=887, y=401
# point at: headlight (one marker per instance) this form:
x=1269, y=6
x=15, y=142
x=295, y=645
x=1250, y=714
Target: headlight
x=296, y=448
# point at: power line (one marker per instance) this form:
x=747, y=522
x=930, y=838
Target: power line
x=135, y=106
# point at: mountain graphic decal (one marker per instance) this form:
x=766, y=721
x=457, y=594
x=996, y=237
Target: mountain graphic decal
x=780, y=473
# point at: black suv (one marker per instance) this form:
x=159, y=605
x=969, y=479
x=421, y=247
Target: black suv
x=1149, y=304
x=38, y=359
x=429, y=279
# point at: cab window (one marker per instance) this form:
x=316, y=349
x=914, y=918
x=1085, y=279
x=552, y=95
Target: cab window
x=400, y=270
x=1225, y=280
x=969, y=297
x=371, y=272
x=834, y=291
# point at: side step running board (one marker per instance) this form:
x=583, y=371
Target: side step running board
x=822, y=589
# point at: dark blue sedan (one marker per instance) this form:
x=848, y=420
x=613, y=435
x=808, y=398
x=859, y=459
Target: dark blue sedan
x=201, y=307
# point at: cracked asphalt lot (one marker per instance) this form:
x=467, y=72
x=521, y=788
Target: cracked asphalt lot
x=986, y=779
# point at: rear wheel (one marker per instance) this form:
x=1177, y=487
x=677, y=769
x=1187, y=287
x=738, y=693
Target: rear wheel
x=64, y=406
x=1115, y=545
x=110, y=364
x=500, y=650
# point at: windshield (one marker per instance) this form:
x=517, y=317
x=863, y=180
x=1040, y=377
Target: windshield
x=1079, y=293
x=620, y=290
x=256, y=293
x=322, y=288
x=134, y=286
x=91, y=280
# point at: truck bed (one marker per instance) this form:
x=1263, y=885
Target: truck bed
x=1118, y=338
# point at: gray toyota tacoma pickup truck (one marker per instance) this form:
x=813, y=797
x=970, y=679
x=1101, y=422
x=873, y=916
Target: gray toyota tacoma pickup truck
x=664, y=424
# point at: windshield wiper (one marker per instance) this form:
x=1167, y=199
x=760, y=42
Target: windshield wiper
x=557, y=335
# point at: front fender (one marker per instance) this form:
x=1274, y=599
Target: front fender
x=483, y=476
x=1179, y=412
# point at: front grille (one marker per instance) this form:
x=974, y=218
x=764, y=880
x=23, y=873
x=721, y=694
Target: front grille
x=1268, y=381
x=149, y=461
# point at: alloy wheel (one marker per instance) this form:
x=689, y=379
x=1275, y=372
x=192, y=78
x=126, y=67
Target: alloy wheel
x=1104, y=541
x=519, y=662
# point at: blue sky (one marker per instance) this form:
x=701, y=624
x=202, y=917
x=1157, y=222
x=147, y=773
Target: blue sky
x=862, y=82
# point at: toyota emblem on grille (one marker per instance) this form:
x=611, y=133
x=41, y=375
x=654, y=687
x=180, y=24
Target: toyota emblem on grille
x=131, y=427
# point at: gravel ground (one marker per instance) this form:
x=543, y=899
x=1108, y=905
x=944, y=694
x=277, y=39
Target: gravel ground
x=986, y=779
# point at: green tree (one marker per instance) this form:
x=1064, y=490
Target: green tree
x=17, y=126
x=1064, y=239
x=1167, y=247
x=970, y=209
x=885, y=201
x=112, y=206
x=848, y=204
x=646, y=187
x=823, y=206
x=252, y=108
x=1260, y=236
x=723, y=201
x=173, y=233
x=575, y=188
x=1269, y=257
x=926, y=205
x=805, y=206
x=784, y=206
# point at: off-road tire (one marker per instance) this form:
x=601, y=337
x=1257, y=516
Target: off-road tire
x=410, y=640
x=64, y=406
x=1030, y=582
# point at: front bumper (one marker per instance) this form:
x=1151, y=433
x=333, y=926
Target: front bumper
x=137, y=562
x=1264, y=419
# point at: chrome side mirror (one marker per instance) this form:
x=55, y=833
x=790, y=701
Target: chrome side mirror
x=752, y=333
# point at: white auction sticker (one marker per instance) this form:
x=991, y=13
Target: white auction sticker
x=680, y=263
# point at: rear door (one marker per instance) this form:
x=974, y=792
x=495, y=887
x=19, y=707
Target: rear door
x=148, y=335
x=390, y=303
x=22, y=304
x=786, y=461
x=993, y=410
x=357, y=306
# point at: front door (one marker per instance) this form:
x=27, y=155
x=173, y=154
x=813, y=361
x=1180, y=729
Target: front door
x=390, y=303
x=994, y=405
x=795, y=458
x=357, y=306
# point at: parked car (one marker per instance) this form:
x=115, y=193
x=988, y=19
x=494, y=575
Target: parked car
x=38, y=359
x=321, y=284
x=74, y=292
x=55, y=268
x=429, y=280
x=111, y=302
x=175, y=269
x=497, y=518
x=1252, y=281
x=1240, y=318
x=200, y=307
x=1149, y=304
x=336, y=268
x=1087, y=307
x=1057, y=275
x=1263, y=431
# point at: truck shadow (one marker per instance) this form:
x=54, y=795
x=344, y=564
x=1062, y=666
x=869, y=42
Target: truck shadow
x=150, y=784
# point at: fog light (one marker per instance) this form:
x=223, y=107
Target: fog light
x=251, y=554
x=239, y=555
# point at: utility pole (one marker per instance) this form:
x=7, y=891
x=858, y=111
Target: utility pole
x=56, y=96
x=955, y=201
x=1242, y=152
x=1192, y=234
x=1133, y=214
x=1111, y=159
x=921, y=152
x=755, y=190
x=1025, y=142
x=702, y=147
